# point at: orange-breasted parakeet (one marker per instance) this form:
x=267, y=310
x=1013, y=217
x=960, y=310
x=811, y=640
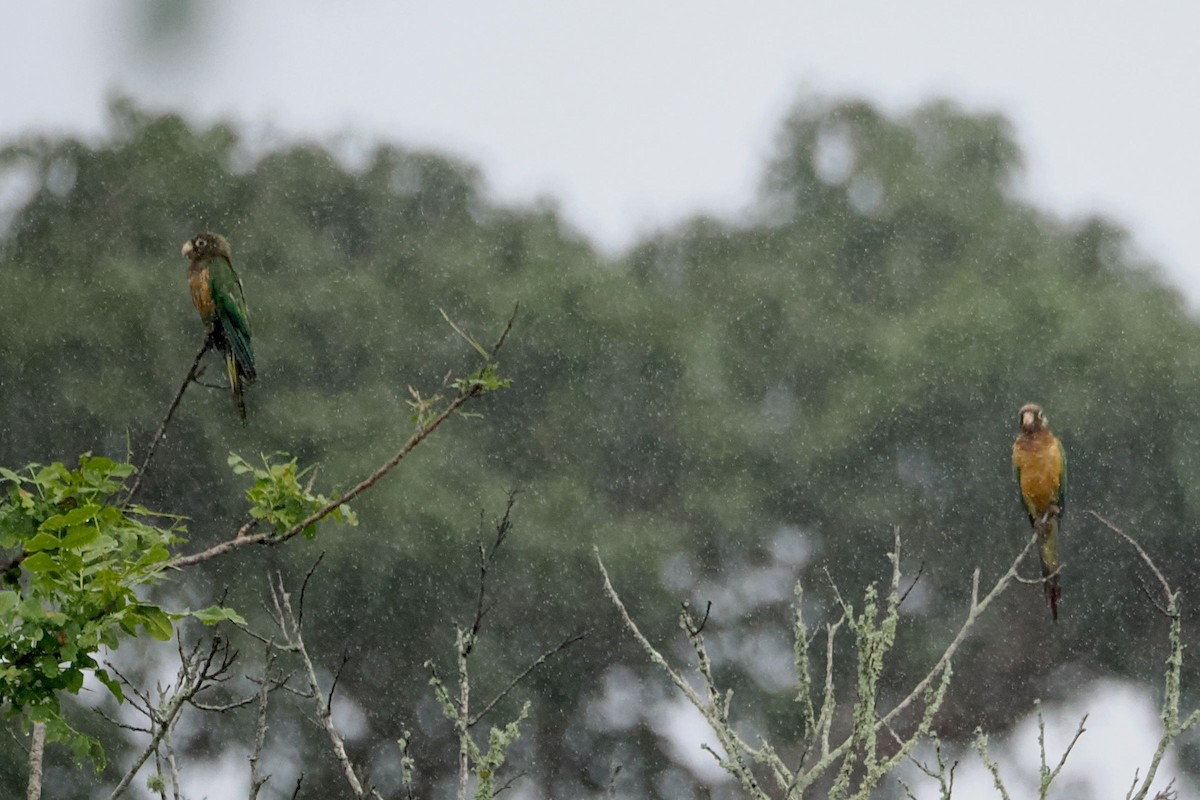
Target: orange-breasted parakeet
x=1040, y=467
x=217, y=293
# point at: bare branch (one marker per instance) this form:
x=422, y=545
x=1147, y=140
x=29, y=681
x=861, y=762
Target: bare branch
x=1040, y=580
x=162, y=426
x=304, y=588
x=913, y=585
x=486, y=559
x=696, y=629
x=1062, y=761
x=37, y=749
x=730, y=741
x=537, y=663
x=295, y=638
x=224, y=707
x=194, y=675
x=507, y=327
x=977, y=608
x=260, y=727
x=173, y=766
x=336, y=676
x=161, y=786
x=464, y=710
x=1149, y=562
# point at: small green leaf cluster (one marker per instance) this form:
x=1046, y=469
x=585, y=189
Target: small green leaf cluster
x=278, y=498
x=77, y=558
x=483, y=380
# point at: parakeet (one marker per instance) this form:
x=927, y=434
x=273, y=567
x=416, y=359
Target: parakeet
x=217, y=293
x=1040, y=467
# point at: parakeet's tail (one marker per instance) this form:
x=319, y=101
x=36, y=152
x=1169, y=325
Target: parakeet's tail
x=1047, y=545
x=1053, y=591
x=239, y=346
x=235, y=383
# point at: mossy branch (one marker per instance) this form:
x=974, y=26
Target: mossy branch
x=860, y=766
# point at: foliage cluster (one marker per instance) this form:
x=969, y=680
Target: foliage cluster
x=74, y=586
x=727, y=405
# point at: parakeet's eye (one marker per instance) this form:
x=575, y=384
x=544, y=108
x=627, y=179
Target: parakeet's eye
x=201, y=243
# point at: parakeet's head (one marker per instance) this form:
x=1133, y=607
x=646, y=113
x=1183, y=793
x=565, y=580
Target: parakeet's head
x=1032, y=418
x=204, y=246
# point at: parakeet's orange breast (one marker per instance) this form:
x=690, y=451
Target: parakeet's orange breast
x=1039, y=460
x=202, y=294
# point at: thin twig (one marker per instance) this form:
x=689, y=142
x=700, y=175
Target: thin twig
x=913, y=585
x=696, y=630
x=507, y=327
x=977, y=608
x=304, y=588
x=729, y=739
x=291, y=631
x=337, y=676
x=537, y=663
x=1149, y=562
x=194, y=676
x=486, y=558
x=162, y=426
x=1063, y=761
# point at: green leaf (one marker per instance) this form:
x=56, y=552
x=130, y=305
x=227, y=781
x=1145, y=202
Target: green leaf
x=214, y=614
x=79, y=536
x=39, y=562
x=155, y=621
x=55, y=523
x=43, y=541
x=113, y=685
x=82, y=514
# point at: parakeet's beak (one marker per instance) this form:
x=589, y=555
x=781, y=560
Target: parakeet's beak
x=187, y=249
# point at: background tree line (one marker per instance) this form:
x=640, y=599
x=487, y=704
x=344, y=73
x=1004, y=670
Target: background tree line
x=728, y=407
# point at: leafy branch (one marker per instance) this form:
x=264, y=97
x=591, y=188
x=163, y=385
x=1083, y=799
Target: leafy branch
x=484, y=381
x=82, y=549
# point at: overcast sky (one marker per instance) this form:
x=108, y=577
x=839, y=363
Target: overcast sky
x=633, y=114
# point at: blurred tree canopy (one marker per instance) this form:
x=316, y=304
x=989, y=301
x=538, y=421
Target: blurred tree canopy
x=731, y=405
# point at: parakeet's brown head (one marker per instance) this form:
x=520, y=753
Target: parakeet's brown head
x=204, y=246
x=1031, y=418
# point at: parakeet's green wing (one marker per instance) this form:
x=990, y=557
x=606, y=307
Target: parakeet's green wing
x=231, y=312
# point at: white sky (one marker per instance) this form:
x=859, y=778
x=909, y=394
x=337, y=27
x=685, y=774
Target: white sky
x=634, y=114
